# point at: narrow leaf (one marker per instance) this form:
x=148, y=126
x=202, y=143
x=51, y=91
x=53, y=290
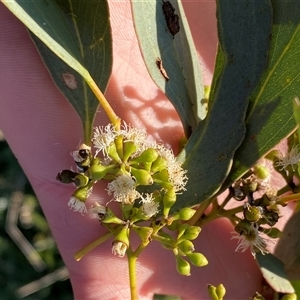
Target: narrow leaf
x=78, y=32
x=177, y=56
x=243, y=29
x=273, y=271
x=270, y=114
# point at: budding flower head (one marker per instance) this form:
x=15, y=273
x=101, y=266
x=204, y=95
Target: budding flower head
x=250, y=238
x=292, y=158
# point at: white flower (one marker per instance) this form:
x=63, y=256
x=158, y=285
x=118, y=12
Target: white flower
x=251, y=240
x=97, y=210
x=136, y=135
x=123, y=189
x=292, y=158
x=77, y=205
x=119, y=249
x=103, y=137
x=177, y=175
x=149, y=206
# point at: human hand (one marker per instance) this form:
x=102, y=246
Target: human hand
x=42, y=129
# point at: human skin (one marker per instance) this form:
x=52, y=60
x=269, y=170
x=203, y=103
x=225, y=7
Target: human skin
x=42, y=129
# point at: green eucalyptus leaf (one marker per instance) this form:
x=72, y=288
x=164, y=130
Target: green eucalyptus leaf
x=79, y=34
x=243, y=28
x=288, y=247
x=273, y=271
x=178, y=57
x=270, y=114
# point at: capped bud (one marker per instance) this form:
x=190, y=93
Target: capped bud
x=186, y=213
x=212, y=292
x=81, y=180
x=181, y=230
x=169, y=200
x=243, y=228
x=182, y=266
x=66, y=176
x=142, y=177
x=289, y=297
x=144, y=232
x=197, y=259
x=149, y=155
x=163, y=175
x=159, y=164
x=190, y=233
x=220, y=291
x=186, y=247
x=97, y=172
x=261, y=171
x=129, y=148
x=252, y=213
x=113, y=153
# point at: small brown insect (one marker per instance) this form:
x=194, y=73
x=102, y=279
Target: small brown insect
x=161, y=68
x=171, y=18
x=69, y=80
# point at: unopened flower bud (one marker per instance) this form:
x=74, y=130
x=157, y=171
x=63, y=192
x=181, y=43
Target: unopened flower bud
x=81, y=180
x=169, y=200
x=163, y=175
x=261, y=172
x=190, y=233
x=181, y=230
x=186, y=247
x=252, y=213
x=197, y=259
x=289, y=297
x=182, y=266
x=66, y=176
x=141, y=176
x=220, y=291
x=212, y=292
x=97, y=172
x=129, y=148
x=149, y=155
x=186, y=213
x=113, y=153
x=159, y=164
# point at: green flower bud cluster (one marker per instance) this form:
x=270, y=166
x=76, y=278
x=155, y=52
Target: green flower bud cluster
x=216, y=292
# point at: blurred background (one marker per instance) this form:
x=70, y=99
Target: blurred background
x=31, y=267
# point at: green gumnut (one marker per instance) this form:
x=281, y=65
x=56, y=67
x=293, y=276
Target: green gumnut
x=186, y=247
x=169, y=200
x=149, y=155
x=252, y=213
x=141, y=176
x=220, y=291
x=81, y=180
x=190, y=233
x=111, y=218
x=243, y=227
x=144, y=232
x=159, y=164
x=212, y=292
x=186, y=213
x=129, y=148
x=197, y=259
x=182, y=266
